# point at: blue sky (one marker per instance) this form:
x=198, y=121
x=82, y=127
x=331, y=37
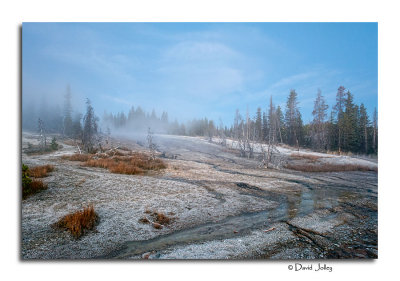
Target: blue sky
x=193, y=70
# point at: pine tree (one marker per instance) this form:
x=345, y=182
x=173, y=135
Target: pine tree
x=258, y=125
x=350, y=124
x=339, y=111
x=280, y=123
x=264, y=126
x=318, y=133
x=332, y=132
x=293, y=120
x=272, y=122
x=375, y=132
x=89, y=128
x=364, y=123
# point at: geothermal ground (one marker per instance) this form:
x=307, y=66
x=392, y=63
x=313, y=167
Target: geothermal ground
x=221, y=206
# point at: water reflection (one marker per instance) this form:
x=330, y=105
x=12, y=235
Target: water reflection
x=293, y=203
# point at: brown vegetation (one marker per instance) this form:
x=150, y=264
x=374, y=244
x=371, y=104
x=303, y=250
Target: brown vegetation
x=329, y=168
x=40, y=171
x=158, y=219
x=34, y=186
x=31, y=186
x=162, y=219
x=133, y=164
x=137, y=163
x=80, y=222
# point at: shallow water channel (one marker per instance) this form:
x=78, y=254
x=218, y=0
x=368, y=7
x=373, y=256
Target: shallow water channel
x=297, y=204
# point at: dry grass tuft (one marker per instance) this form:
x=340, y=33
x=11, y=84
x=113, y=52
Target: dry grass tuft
x=329, y=168
x=33, y=187
x=40, y=171
x=162, y=219
x=137, y=163
x=80, y=222
x=158, y=220
x=133, y=164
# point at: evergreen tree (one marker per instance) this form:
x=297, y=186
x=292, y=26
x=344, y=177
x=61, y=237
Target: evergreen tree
x=264, y=126
x=375, y=132
x=89, y=128
x=258, y=125
x=350, y=124
x=363, y=129
x=332, y=132
x=293, y=120
x=339, y=111
x=318, y=132
x=272, y=122
x=280, y=123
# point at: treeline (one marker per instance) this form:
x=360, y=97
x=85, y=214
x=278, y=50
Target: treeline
x=137, y=120
x=347, y=128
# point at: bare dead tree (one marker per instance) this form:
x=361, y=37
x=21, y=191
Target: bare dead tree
x=151, y=145
x=319, y=134
x=242, y=142
x=273, y=158
x=108, y=134
x=221, y=133
x=42, y=134
x=249, y=146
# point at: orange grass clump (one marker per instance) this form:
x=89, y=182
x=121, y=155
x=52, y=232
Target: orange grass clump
x=40, y=171
x=33, y=187
x=162, y=219
x=137, y=163
x=79, y=222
